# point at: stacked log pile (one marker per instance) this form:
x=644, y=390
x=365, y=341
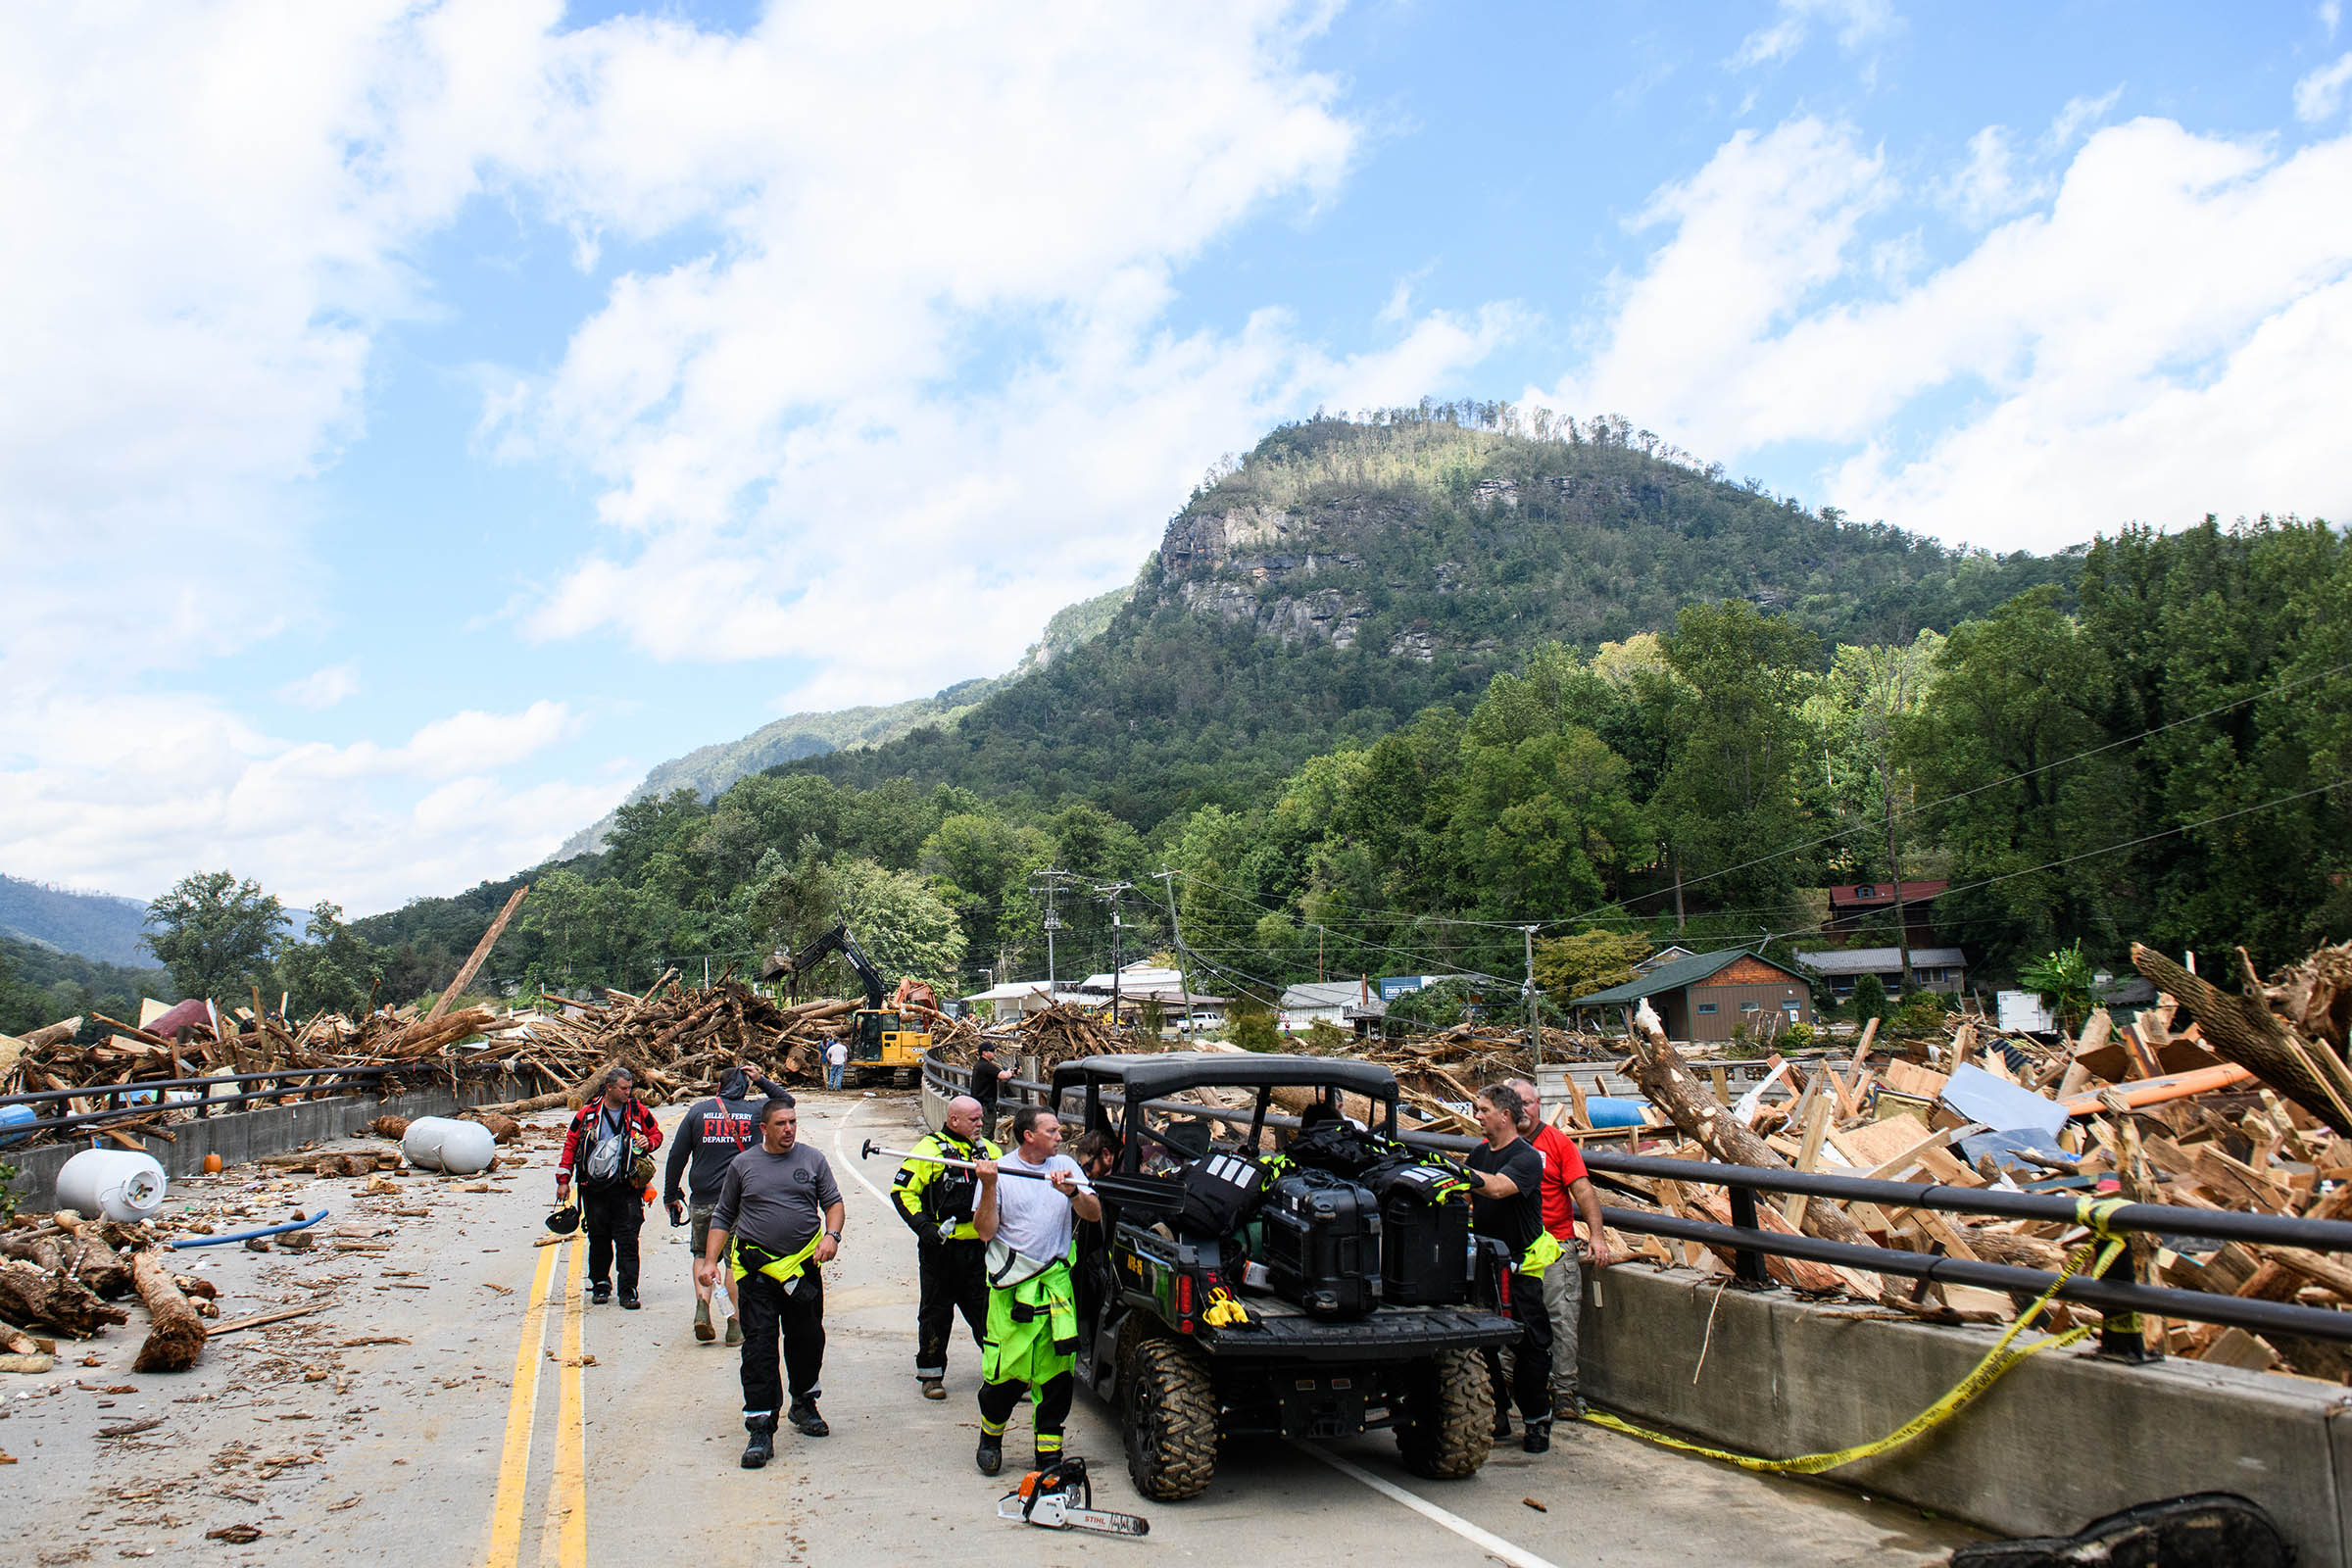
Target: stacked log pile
x=2237, y=1107
x=676, y=1040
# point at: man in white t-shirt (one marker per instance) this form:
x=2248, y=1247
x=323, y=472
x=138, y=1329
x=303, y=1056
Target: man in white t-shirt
x=1032, y=1302
x=837, y=1056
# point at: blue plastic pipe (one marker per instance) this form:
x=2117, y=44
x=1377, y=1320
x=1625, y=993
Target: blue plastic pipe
x=247, y=1236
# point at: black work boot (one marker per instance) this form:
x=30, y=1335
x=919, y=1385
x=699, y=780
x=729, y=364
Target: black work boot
x=990, y=1455
x=1538, y=1439
x=763, y=1447
x=1502, y=1422
x=600, y=1293
x=806, y=1421
x=629, y=1301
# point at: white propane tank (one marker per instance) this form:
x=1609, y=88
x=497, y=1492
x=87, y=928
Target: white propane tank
x=123, y=1186
x=444, y=1143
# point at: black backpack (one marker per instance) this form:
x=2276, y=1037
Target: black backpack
x=1339, y=1149
x=1221, y=1191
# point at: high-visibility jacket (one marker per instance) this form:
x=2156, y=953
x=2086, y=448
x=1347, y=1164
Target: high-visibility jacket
x=928, y=1195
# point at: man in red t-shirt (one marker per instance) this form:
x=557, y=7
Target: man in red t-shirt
x=1567, y=1191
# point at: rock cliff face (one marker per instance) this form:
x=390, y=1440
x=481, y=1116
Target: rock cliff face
x=1282, y=573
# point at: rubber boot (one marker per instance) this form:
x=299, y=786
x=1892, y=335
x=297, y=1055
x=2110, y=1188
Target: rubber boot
x=703, y=1330
x=934, y=1388
x=763, y=1447
x=734, y=1329
x=989, y=1456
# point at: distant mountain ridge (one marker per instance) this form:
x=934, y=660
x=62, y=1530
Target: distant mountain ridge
x=1351, y=573
x=708, y=770
x=94, y=925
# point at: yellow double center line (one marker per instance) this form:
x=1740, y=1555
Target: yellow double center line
x=564, y=1538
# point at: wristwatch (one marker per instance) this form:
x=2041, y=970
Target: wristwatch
x=836, y=1235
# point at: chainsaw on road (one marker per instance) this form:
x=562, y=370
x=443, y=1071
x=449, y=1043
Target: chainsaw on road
x=1060, y=1498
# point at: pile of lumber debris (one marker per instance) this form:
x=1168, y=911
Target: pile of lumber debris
x=2210, y=1098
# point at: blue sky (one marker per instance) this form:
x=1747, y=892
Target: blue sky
x=422, y=419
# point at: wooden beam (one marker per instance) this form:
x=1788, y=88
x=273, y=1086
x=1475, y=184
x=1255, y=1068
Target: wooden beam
x=481, y=951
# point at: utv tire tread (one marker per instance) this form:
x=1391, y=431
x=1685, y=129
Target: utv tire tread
x=1450, y=1427
x=1172, y=1422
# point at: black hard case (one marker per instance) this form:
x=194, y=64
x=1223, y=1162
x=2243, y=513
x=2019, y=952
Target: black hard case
x=1322, y=1244
x=1424, y=1244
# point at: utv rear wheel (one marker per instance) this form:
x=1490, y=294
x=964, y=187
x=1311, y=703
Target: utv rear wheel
x=1448, y=1427
x=1172, y=1422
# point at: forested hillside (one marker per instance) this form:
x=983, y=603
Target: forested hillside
x=1389, y=693
x=39, y=986
x=94, y=925
x=708, y=769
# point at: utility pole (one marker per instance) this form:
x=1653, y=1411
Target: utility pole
x=1318, y=955
x=1112, y=892
x=1052, y=878
x=1534, y=1023
x=1678, y=892
x=1184, y=980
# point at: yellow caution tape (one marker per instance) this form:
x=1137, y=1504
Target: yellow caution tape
x=2090, y=1213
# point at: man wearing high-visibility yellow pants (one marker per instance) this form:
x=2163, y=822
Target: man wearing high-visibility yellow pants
x=1032, y=1304
x=1508, y=1202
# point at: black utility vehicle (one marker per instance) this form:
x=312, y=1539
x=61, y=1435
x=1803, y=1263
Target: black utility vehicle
x=1362, y=1298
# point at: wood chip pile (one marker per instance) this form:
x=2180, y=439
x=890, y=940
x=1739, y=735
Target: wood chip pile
x=2211, y=1098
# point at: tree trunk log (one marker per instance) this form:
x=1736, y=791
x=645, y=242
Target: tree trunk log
x=176, y=1337
x=30, y=1294
x=2244, y=1030
x=1676, y=1090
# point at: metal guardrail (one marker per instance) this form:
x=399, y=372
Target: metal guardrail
x=1748, y=1243
x=202, y=1104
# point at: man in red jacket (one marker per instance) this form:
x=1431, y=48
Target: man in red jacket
x=1567, y=1191
x=610, y=1142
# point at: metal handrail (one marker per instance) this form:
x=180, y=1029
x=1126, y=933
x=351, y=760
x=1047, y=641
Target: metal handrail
x=141, y=1086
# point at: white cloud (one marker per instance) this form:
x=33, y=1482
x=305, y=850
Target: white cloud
x=1992, y=185
x=2331, y=14
x=2319, y=95
x=1858, y=21
x=132, y=792
x=2166, y=338
x=796, y=438
x=2079, y=114
x=917, y=386
x=322, y=688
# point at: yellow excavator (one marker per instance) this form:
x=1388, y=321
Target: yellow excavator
x=882, y=1038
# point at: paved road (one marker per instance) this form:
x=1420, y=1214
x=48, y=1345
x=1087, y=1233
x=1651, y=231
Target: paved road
x=510, y=1425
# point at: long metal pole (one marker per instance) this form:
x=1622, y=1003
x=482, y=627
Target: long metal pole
x=1534, y=1024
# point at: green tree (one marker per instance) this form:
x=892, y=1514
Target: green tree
x=905, y=927
x=1731, y=799
x=331, y=969
x=1592, y=960
x=2063, y=980
x=1870, y=997
x=213, y=933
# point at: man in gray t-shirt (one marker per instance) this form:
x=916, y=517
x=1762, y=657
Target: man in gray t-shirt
x=779, y=1216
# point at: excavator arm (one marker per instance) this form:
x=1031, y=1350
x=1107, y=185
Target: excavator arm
x=838, y=940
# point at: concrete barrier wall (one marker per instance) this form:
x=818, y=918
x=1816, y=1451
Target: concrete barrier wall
x=2059, y=1441
x=238, y=1136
